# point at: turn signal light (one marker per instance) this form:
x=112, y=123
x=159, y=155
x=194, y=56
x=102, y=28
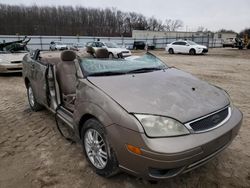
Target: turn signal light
x=134, y=149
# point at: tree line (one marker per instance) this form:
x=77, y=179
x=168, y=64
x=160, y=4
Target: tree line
x=68, y=20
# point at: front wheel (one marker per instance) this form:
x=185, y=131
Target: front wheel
x=192, y=52
x=34, y=105
x=111, y=56
x=97, y=149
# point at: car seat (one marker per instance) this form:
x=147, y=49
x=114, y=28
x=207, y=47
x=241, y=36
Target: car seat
x=66, y=78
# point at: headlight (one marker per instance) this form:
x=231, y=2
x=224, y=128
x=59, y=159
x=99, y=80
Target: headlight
x=158, y=126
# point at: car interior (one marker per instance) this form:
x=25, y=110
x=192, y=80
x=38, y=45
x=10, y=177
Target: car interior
x=61, y=76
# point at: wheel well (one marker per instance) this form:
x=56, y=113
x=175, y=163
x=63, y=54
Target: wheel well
x=26, y=81
x=83, y=119
x=192, y=49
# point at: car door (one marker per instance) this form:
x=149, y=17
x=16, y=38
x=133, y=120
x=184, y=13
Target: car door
x=176, y=47
x=38, y=79
x=184, y=47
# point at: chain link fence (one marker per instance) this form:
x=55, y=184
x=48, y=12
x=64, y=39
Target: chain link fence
x=42, y=42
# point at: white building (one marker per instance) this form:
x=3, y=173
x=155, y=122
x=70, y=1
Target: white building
x=144, y=34
x=224, y=36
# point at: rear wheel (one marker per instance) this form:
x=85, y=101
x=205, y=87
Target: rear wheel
x=171, y=51
x=34, y=105
x=192, y=52
x=97, y=149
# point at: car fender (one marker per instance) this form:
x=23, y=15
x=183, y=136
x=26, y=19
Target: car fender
x=93, y=110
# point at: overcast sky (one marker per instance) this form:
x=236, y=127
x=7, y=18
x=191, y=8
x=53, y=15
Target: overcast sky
x=211, y=14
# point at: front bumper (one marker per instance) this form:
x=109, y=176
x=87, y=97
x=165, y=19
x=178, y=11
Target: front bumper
x=167, y=157
x=127, y=54
x=11, y=68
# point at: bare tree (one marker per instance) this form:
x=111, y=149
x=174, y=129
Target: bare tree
x=68, y=20
x=173, y=25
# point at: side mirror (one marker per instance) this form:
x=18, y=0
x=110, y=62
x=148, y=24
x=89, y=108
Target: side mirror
x=187, y=45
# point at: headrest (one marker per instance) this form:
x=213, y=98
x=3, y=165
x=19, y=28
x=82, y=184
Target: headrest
x=90, y=50
x=101, y=53
x=68, y=55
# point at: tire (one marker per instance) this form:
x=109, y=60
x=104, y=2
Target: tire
x=111, y=55
x=92, y=150
x=192, y=52
x=34, y=105
x=171, y=51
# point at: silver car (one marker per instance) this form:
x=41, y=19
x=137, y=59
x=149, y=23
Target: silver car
x=137, y=114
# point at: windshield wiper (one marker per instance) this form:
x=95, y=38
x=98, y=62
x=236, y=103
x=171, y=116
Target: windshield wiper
x=107, y=73
x=148, y=69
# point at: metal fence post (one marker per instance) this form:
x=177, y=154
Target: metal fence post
x=78, y=40
x=208, y=40
x=41, y=42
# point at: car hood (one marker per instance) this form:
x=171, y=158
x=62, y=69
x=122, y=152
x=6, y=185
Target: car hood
x=200, y=46
x=7, y=58
x=61, y=46
x=171, y=93
x=118, y=50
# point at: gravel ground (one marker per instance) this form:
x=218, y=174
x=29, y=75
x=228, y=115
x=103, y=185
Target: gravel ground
x=33, y=154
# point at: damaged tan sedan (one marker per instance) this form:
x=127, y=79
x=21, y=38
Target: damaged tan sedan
x=137, y=114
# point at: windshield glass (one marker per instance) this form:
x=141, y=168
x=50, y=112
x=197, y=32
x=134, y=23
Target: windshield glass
x=98, y=67
x=191, y=42
x=14, y=48
x=111, y=45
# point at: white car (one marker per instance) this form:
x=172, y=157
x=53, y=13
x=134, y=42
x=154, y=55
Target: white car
x=57, y=45
x=186, y=47
x=113, y=49
x=11, y=62
x=78, y=47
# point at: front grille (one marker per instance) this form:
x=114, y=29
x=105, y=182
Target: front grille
x=16, y=62
x=210, y=121
x=125, y=52
x=205, y=50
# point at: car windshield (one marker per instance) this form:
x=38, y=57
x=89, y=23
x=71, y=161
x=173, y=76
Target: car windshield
x=111, y=45
x=191, y=42
x=106, y=67
x=14, y=48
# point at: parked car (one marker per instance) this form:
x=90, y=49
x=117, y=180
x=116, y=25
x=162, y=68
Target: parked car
x=150, y=46
x=135, y=114
x=113, y=49
x=11, y=55
x=57, y=45
x=139, y=45
x=77, y=47
x=186, y=47
x=229, y=42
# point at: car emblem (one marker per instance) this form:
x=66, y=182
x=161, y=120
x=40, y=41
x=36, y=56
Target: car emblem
x=215, y=118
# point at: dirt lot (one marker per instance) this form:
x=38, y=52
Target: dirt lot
x=33, y=154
